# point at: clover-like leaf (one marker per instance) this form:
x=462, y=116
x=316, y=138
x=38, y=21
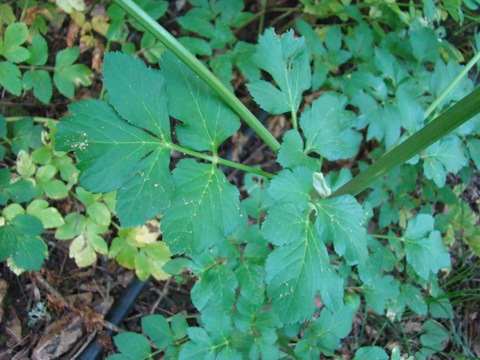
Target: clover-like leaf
x=67, y=75
x=15, y=35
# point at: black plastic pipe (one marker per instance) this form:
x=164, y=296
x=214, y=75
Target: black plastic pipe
x=117, y=313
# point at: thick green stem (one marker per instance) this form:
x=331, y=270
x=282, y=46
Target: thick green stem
x=201, y=70
x=217, y=160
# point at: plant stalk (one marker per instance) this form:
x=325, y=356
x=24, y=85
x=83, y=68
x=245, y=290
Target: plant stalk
x=201, y=70
x=217, y=160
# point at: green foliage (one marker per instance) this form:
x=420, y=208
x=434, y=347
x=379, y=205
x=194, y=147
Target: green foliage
x=282, y=272
x=214, y=20
x=286, y=60
x=14, y=49
x=20, y=240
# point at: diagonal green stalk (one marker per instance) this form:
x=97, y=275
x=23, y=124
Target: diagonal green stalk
x=201, y=70
x=429, y=134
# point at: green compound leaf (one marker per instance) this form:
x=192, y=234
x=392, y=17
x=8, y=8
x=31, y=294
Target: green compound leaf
x=216, y=338
x=49, y=216
x=67, y=75
x=19, y=239
x=324, y=334
x=424, y=247
x=200, y=347
x=444, y=156
x=286, y=59
x=292, y=186
x=156, y=328
x=370, y=353
x=326, y=126
x=299, y=266
x=26, y=135
x=132, y=347
x=41, y=83
x=38, y=51
x=383, y=291
x=19, y=191
x=204, y=209
x=115, y=154
x=341, y=220
x=216, y=289
x=292, y=152
x=15, y=35
x=433, y=339
x=137, y=93
x=206, y=120
x=10, y=78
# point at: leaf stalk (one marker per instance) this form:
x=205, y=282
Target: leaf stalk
x=218, y=160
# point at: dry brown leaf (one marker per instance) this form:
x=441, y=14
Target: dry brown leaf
x=97, y=57
x=238, y=140
x=277, y=124
x=99, y=9
x=72, y=34
x=413, y=327
x=92, y=319
x=103, y=305
x=56, y=304
x=30, y=16
x=3, y=294
x=12, y=327
x=59, y=337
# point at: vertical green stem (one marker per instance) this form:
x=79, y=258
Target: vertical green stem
x=294, y=119
x=201, y=70
x=24, y=11
x=262, y=17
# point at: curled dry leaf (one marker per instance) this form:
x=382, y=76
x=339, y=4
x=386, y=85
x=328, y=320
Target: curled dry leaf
x=59, y=337
x=97, y=57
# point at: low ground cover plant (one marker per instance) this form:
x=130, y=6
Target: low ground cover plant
x=282, y=264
